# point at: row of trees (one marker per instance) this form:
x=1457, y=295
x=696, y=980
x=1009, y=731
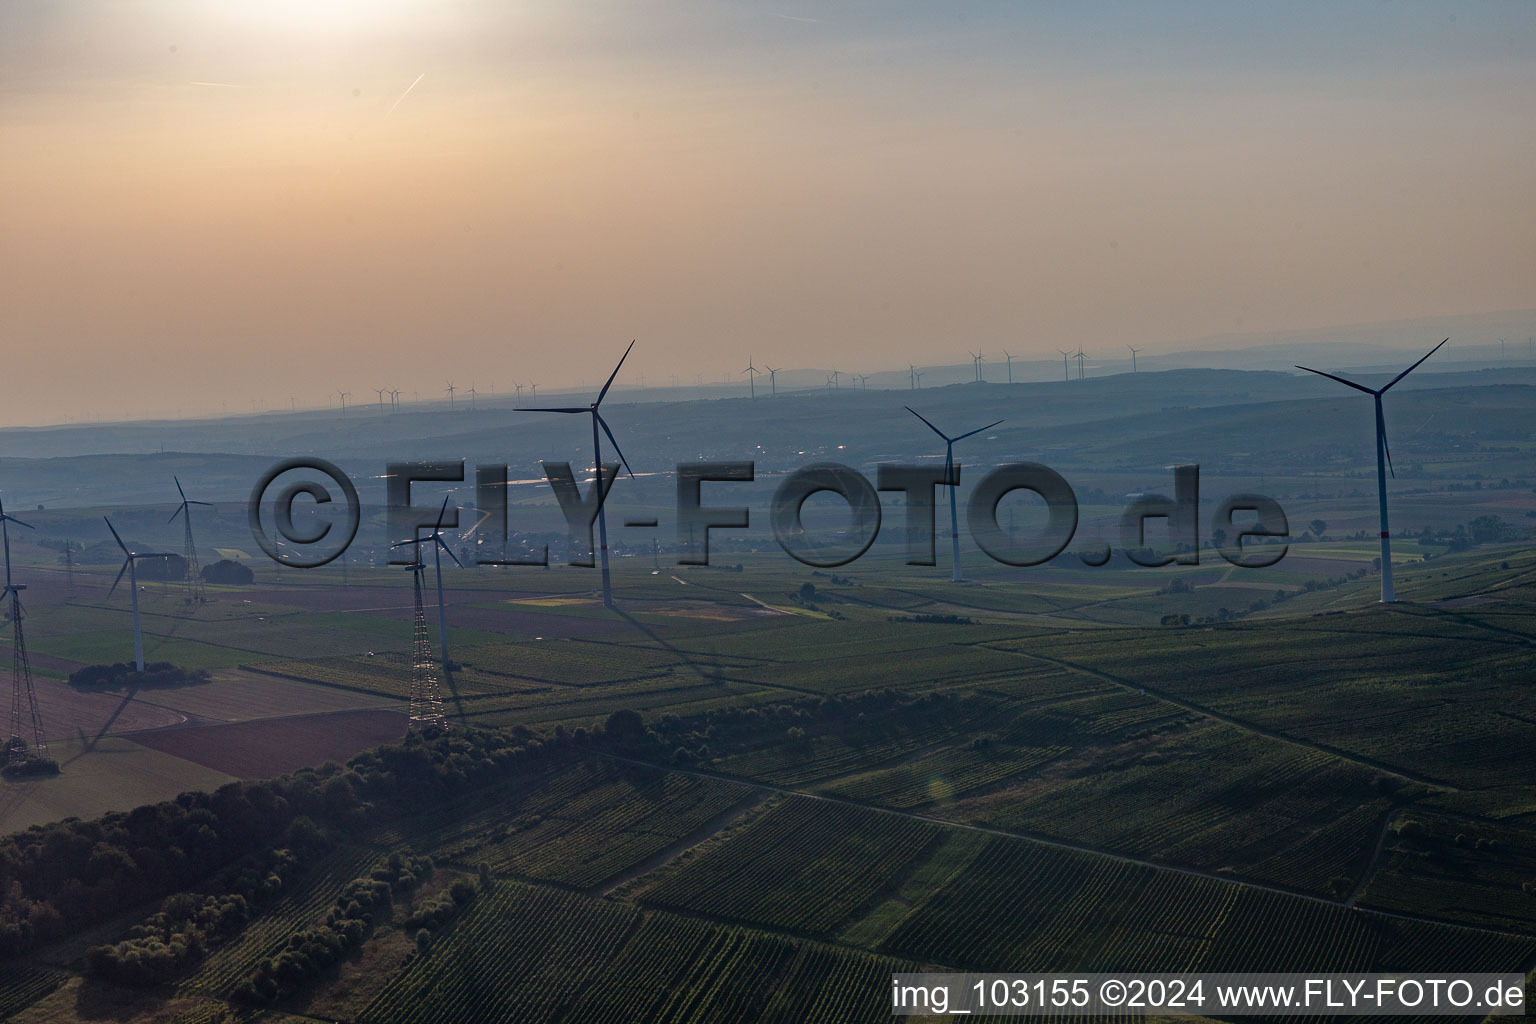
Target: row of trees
x=188, y=924
x=65, y=876
x=349, y=921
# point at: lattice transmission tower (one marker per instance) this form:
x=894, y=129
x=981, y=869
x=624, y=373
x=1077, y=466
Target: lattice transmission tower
x=22, y=756
x=426, y=697
x=195, y=594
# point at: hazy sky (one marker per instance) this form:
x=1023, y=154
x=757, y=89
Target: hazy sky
x=215, y=201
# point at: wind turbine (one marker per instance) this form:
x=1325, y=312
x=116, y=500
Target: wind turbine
x=1009, y=356
x=533, y=389
x=20, y=756
x=438, y=547
x=1080, y=356
x=835, y=375
x=751, y=372
x=519, y=388
x=471, y=393
x=863, y=381
x=394, y=399
x=381, y=392
x=194, y=581
x=597, y=464
x=450, y=389
x=952, y=483
x=1383, y=463
x=1133, y=357
x=912, y=376
x=773, y=383
x=1066, y=370
x=129, y=566
x=344, y=395
x=976, y=365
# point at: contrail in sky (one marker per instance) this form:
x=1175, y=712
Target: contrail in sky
x=406, y=93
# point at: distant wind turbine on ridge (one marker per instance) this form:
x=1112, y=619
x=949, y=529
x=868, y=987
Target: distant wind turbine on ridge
x=1383, y=463
x=952, y=484
x=1066, y=369
x=751, y=372
x=1133, y=357
x=773, y=384
x=597, y=464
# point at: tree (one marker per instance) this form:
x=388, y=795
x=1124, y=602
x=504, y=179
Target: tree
x=1318, y=526
x=624, y=725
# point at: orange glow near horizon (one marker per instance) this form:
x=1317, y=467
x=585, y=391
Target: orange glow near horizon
x=232, y=201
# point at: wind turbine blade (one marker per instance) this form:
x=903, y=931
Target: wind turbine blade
x=545, y=408
x=1341, y=380
x=179, y=509
x=931, y=427
x=978, y=430
x=178, y=488
x=613, y=441
x=440, y=513
x=18, y=522
x=208, y=503
x=117, y=538
x=615, y=373
x=448, y=551
x=119, y=576
x=1415, y=366
x=403, y=543
x=1381, y=428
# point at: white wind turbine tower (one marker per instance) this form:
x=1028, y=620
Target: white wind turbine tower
x=912, y=376
x=1066, y=369
x=129, y=567
x=1383, y=463
x=952, y=483
x=1133, y=357
x=1009, y=356
x=597, y=464
x=751, y=372
x=976, y=365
